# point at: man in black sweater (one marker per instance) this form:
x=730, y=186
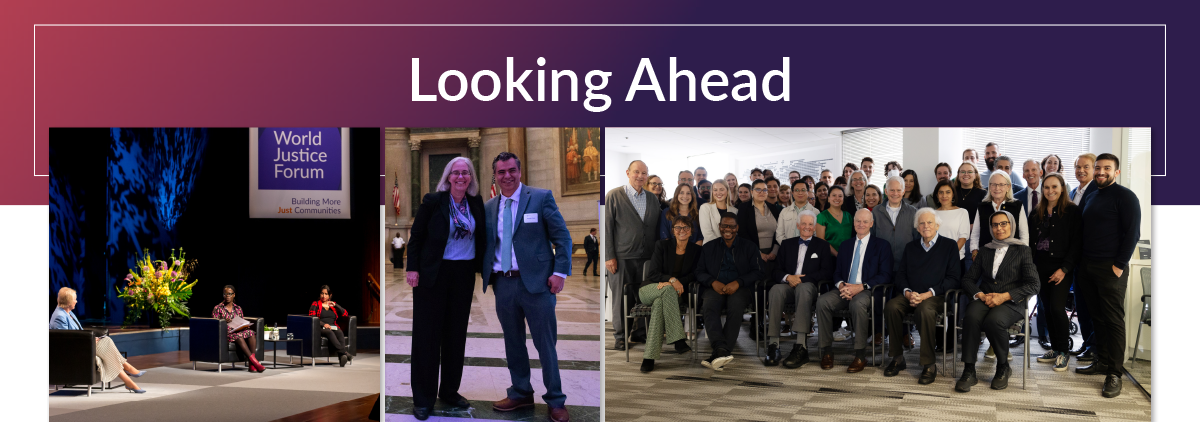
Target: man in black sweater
x=1112, y=219
x=928, y=269
x=728, y=269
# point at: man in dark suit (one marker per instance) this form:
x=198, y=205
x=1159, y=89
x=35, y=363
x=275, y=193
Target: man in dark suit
x=928, y=268
x=526, y=280
x=1085, y=166
x=863, y=263
x=1002, y=278
x=591, y=246
x=729, y=269
x=803, y=262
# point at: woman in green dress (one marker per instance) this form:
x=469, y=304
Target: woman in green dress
x=834, y=225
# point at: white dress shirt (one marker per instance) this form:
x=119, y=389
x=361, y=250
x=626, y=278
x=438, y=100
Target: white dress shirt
x=996, y=264
x=1079, y=193
x=862, y=251
x=800, y=255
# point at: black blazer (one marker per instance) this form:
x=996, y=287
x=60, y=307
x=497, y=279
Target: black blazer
x=745, y=257
x=815, y=270
x=1065, y=233
x=663, y=263
x=590, y=246
x=1017, y=275
x=431, y=230
x=747, y=226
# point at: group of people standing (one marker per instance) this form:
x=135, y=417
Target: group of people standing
x=826, y=245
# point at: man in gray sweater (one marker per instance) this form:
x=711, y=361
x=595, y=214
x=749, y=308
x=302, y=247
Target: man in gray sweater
x=630, y=229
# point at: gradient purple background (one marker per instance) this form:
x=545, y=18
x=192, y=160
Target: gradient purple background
x=928, y=76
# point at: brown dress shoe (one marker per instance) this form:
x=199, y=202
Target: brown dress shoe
x=559, y=414
x=509, y=404
x=857, y=365
x=878, y=339
x=827, y=361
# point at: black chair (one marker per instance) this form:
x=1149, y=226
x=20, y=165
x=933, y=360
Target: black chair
x=641, y=310
x=73, y=360
x=695, y=290
x=315, y=345
x=1019, y=328
x=943, y=318
x=885, y=290
x=210, y=343
x=1145, y=318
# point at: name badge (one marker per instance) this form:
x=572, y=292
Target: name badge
x=531, y=218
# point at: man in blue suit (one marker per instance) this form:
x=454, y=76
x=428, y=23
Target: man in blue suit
x=525, y=279
x=864, y=261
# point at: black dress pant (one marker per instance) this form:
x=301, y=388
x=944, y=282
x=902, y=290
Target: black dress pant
x=441, y=310
x=1105, y=295
x=1052, y=302
x=593, y=258
x=993, y=322
x=725, y=335
x=337, y=340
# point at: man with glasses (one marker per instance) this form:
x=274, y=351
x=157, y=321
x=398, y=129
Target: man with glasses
x=728, y=269
x=1112, y=218
x=630, y=229
x=991, y=157
x=793, y=176
x=703, y=192
x=686, y=178
x=895, y=223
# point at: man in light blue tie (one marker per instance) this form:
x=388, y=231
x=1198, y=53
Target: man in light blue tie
x=864, y=262
x=526, y=275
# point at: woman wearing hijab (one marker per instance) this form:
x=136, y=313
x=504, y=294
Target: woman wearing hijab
x=448, y=229
x=999, y=282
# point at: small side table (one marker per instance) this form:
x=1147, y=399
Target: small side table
x=275, y=352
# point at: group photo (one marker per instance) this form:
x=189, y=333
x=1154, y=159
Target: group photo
x=877, y=273
x=492, y=306
x=200, y=273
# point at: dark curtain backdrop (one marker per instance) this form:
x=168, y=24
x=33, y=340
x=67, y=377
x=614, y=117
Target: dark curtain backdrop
x=277, y=266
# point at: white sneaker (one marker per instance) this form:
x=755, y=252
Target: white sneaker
x=842, y=334
x=719, y=363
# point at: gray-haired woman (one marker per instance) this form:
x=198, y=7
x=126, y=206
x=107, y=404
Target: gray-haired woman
x=1001, y=278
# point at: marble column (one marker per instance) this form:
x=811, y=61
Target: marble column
x=474, y=142
x=415, y=194
x=516, y=145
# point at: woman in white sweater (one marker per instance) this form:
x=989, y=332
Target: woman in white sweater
x=710, y=212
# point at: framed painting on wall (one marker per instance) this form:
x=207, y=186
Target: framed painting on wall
x=581, y=160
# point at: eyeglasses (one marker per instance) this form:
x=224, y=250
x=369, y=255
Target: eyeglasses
x=460, y=173
x=1000, y=185
x=681, y=228
x=1001, y=224
x=727, y=226
x=966, y=172
x=652, y=184
x=760, y=191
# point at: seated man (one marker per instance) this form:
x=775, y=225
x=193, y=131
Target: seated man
x=803, y=262
x=1002, y=277
x=863, y=262
x=928, y=268
x=729, y=267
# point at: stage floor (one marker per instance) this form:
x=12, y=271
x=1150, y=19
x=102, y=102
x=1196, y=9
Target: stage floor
x=485, y=376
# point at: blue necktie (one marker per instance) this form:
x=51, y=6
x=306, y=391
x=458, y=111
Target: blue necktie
x=506, y=231
x=854, y=264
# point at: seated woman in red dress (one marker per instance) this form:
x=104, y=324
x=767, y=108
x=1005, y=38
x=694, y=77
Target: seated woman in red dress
x=329, y=311
x=244, y=337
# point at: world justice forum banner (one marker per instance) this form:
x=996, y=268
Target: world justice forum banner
x=299, y=172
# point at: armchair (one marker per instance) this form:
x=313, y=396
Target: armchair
x=73, y=359
x=210, y=342
x=314, y=345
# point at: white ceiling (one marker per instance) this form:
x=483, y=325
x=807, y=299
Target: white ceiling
x=718, y=140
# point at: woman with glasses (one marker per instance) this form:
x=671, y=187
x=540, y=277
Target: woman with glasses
x=833, y=224
x=244, y=336
x=1057, y=227
x=856, y=195
x=1002, y=278
x=757, y=221
x=448, y=229
x=655, y=185
x=999, y=198
x=789, y=218
x=683, y=204
x=710, y=212
x=671, y=269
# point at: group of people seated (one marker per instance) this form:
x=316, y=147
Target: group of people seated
x=113, y=365
x=826, y=249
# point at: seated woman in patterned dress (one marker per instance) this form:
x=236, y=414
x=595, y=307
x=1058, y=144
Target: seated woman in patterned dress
x=112, y=364
x=243, y=337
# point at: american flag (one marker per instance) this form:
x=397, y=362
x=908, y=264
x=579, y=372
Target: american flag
x=396, y=194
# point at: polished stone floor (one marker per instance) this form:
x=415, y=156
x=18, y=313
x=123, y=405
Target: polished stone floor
x=680, y=389
x=485, y=376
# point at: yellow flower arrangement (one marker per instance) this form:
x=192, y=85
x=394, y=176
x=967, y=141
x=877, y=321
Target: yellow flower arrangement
x=158, y=285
